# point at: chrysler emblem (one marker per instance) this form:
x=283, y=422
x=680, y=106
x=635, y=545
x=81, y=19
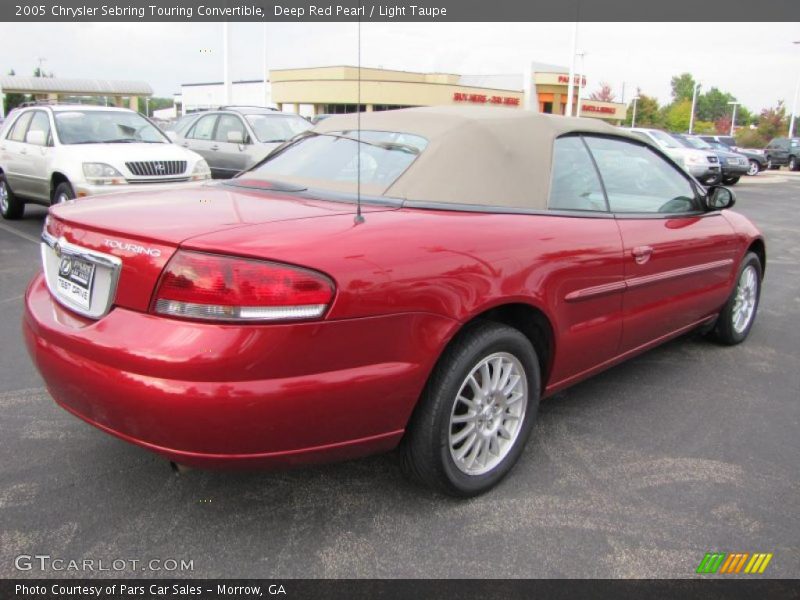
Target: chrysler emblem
x=65, y=267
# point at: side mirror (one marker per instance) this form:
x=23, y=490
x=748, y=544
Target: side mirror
x=719, y=197
x=37, y=138
x=235, y=137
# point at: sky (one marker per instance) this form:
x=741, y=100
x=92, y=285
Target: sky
x=756, y=62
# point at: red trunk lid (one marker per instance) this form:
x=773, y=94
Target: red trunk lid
x=144, y=229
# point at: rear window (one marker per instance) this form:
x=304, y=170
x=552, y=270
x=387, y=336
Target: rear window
x=336, y=159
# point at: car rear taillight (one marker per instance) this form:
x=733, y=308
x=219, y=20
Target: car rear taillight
x=195, y=285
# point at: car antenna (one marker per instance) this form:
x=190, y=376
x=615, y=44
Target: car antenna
x=359, y=217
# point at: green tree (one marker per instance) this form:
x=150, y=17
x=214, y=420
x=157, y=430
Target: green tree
x=682, y=87
x=648, y=112
x=677, y=115
x=39, y=72
x=701, y=127
x=713, y=105
x=13, y=100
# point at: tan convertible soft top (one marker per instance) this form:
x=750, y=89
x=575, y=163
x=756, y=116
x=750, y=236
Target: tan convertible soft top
x=476, y=155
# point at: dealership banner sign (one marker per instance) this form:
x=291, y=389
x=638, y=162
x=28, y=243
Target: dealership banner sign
x=413, y=10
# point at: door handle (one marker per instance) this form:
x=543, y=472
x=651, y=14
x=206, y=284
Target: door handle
x=185, y=144
x=215, y=147
x=23, y=151
x=641, y=254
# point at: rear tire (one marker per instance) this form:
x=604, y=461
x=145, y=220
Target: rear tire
x=11, y=207
x=481, y=399
x=739, y=313
x=754, y=169
x=794, y=164
x=62, y=193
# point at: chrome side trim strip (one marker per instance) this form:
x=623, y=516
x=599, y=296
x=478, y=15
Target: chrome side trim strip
x=634, y=282
x=675, y=273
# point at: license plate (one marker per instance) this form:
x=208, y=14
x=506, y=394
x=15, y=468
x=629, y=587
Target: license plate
x=75, y=279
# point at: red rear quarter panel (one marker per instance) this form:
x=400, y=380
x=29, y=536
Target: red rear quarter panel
x=457, y=265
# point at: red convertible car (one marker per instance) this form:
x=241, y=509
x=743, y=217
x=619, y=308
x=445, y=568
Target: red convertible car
x=496, y=256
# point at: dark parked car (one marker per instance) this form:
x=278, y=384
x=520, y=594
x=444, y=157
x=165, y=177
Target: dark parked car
x=733, y=164
x=756, y=158
x=784, y=151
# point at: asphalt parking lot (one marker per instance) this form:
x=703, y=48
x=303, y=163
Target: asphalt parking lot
x=638, y=472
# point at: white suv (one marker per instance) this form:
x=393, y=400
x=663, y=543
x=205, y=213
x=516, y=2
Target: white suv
x=53, y=153
x=701, y=164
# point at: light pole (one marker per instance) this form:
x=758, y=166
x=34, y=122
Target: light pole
x=633, y=117
x=794, y=104
x=733, y=118
x=581, y=75
x=267, y=95
x=226, y=65
x=694, y=103
x=571, y=84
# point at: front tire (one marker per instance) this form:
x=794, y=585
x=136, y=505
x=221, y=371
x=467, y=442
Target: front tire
x=62, y=193
x=739, y=313
x=794, y=165
x=11, y=207
x=476, y=412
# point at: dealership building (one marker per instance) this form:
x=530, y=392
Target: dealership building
x=340, y=89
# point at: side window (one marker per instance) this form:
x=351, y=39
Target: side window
x=39, y=122
x=230, y=124
x=574, y=184
x=637, y=180
x=203, y=129
x=17, y=133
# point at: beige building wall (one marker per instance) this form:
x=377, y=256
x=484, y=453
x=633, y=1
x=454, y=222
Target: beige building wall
x=321, y=86
x=340, y=85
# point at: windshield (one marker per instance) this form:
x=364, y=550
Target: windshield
x=331, y=160
x=277, y=127
x=105, y=127
x=694, y=142
x=664, y=139
x=182, y=124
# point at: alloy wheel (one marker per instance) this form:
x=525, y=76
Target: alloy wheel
x=753, y=170
x=744, y=303
x=3, y=197
x=488, y=413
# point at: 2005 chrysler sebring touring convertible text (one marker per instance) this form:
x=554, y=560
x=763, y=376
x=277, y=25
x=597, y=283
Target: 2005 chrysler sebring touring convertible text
x=502, y=256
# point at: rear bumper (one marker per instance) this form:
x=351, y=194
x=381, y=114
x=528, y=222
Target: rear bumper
x=228, y=396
